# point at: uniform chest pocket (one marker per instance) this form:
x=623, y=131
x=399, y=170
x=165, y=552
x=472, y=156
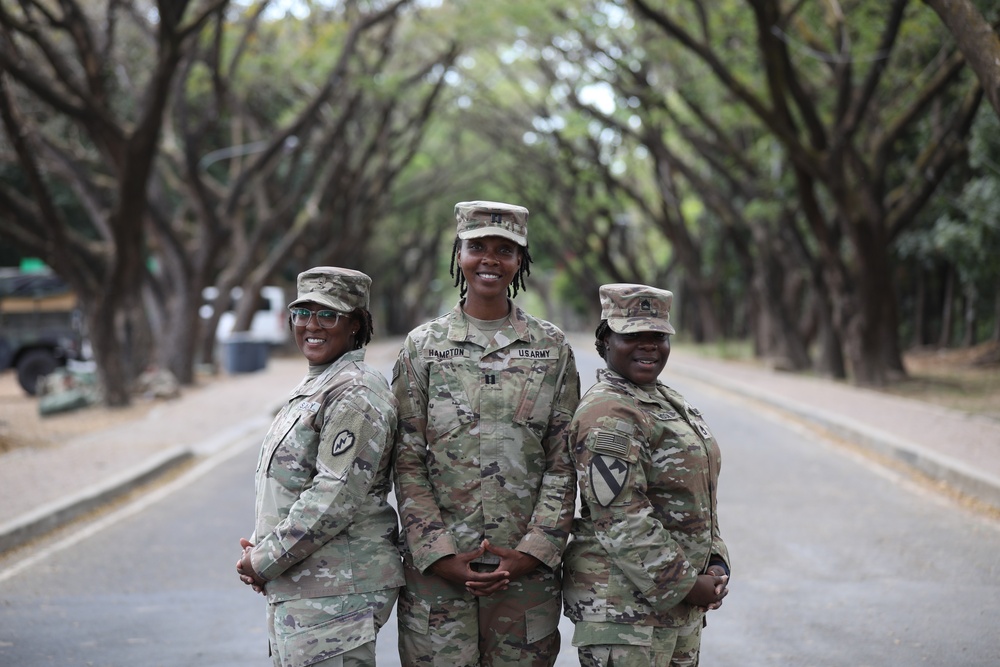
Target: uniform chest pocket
x=292, y=454
x=534, y=405
x=284, y=423
x=451, y=402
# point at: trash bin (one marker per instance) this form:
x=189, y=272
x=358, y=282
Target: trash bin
x=241, y=353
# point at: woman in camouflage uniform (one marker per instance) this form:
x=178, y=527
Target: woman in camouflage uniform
x=484, y=480
x=646, y=559
x=324, y=548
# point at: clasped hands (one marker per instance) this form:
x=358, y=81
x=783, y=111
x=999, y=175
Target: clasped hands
x=244, y=568
x=709, y=589
x=457, y=569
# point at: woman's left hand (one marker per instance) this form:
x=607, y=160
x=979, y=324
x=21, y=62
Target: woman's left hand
x=244, y=567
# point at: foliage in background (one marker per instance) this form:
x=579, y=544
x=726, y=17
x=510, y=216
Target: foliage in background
x=801, y=175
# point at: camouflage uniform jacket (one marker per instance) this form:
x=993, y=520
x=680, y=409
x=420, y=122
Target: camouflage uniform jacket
x=647, y=466
x=323, y=526
x=481, y=447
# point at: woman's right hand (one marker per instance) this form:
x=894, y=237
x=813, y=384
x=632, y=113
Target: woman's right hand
x=708, y=591
x=457, y=569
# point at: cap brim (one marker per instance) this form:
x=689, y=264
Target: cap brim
x=624, y=325
x=480, y=232
x=321, y=299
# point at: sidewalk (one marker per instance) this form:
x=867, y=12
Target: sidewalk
x=44, y=488
x=41, y=489
x=960, y=450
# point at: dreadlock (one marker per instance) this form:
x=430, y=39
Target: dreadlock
x=366, y=329
x=516, y=285
x=602, y=332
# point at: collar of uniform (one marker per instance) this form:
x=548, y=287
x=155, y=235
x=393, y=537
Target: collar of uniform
x=458, y=329
x=627, y=386
x=353, y=356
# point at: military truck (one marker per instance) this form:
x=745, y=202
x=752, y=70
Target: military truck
x=41, y=326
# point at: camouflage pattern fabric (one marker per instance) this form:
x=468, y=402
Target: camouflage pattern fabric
x=663, y=647
x=442, y=624
x=330, y=631
x=481, y=447
x=647, y=466
x=631, y=308
x=491, y=218
x=343, y=290
x=323, y=525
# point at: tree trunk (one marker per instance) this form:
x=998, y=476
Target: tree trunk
x=109, y=336
x=969, y=319
x=996, y=318
x=781, y=340
x=830, y=359
x=947, y=308
x=178, y=341
x=976, y=39
x=920, y=330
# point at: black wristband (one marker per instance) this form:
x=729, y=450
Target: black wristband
x=720, y=563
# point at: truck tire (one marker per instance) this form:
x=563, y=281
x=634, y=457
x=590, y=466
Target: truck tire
x=34, y=365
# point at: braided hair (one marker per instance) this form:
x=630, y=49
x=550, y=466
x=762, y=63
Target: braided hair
x=517, y=284
x=601, y=334
x=367, y=328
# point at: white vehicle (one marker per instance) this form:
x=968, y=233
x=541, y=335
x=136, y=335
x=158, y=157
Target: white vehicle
x=270, y=320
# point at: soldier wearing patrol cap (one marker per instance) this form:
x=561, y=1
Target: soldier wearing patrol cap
x=485, y=484
x=647, y=559
x=324, y=548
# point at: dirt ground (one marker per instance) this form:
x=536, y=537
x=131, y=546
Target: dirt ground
x=951, y=378
x=966, y=379
x=22, y=426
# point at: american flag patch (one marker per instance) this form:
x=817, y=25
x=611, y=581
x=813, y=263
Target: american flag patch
x=614, y=444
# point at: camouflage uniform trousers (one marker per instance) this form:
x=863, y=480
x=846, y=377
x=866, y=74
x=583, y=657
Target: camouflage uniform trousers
x=440, y=624
x=669, y=647
x=336, y=631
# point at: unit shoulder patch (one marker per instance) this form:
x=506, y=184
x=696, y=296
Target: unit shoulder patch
x=607, y=478
x=343, y=442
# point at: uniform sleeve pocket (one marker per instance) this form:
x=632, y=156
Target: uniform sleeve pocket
x=327, y=640
x=414, y=614
x=541, y=621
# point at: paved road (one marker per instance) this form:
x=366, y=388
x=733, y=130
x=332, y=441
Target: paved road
x=836, y=562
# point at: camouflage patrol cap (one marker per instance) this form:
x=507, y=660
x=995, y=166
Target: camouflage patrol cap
x=632, y=308
x=490, y=218
x=342, y=290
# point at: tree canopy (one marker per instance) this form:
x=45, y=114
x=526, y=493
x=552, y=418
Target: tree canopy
x=816, y=177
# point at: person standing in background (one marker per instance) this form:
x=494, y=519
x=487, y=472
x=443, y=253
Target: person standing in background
x=646, y=559
x=324, y=549
x=485, y=484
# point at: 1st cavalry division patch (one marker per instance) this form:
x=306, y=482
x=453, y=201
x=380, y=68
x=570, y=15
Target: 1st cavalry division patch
x=607, y=478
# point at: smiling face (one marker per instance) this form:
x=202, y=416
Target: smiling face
x=489, y=265
x=322, y=346
x=638, y=357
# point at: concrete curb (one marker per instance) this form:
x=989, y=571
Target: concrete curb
x=957, y=475
x=59, y=513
